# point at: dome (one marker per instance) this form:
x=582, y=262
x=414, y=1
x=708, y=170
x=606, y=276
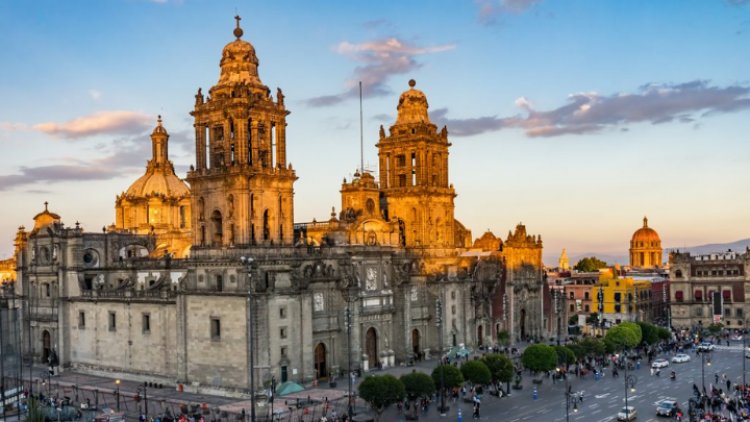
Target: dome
x=158, y=183
x=645, y=234
x=45, y=218
x=412, y=106
x=239, y=64
x=159, y=129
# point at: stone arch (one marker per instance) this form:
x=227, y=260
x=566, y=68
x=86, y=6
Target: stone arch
x=217, y=226
x=371, y=347
x=321, y=367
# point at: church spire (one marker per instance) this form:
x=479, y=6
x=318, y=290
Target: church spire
x=238, y=31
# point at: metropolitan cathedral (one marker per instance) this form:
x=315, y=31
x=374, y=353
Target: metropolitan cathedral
x=211, y=284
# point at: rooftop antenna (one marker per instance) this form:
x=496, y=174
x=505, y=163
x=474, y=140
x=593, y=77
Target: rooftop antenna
x=361, y=135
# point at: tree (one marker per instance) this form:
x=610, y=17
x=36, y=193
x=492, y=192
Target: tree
x=36, y=412
x=577, y=350
x=593, y=318
x=623, y=336
x=381, y=391
x=503, y=337
x=417, y=385
x=593, y=346
x=500, y=366
x=452, y=377
x=648, y=333
x=476, y=372
x=715, y=328
x=589, y=264
x=539, y=357
x=663, y=333
x=565, y=356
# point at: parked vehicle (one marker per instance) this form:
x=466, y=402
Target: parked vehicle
x=666, y=408
x=681, y=358
x=627, y=414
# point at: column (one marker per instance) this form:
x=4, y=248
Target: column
x=200, y=147
x=281, y=144
x=254, y=144
x=267, y=143
x=227, y=144
x=240, y=141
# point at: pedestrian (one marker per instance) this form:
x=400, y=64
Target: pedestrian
x=729, y=384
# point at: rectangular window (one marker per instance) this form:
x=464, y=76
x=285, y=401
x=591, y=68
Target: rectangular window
x=282, y=312
x=738, y=312
x=617, y=296
x=678, y=296
x=282, y=332
x=727, y=312
x=727, y=294
x=47, y=291
x=219, y=283
x=146, y=323
x=112, y=321
x=585, y=295
x=215, y=329
x=402, y=180
x=587, y=308
x=81, y=320
x=400, y=160
x=284, y=350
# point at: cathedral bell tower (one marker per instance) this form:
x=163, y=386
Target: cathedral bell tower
x=242, y=187
x=414, y=176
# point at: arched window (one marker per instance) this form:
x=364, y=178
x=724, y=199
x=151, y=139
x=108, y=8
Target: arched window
x=218, y=231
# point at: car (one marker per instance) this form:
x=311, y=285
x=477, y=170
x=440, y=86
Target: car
x=705, y=346
x=626, y=414
x=681, y=358
x=747, y=352
x=660, y=363
x=736, y=337
x=666, y=408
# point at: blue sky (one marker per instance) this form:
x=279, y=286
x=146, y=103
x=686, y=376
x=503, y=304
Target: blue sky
x=576, y=118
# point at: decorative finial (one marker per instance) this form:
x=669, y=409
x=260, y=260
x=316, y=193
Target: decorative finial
x=238, y=31
x=645, y=221
x=412, y=82
x=158, y=120
x=45, y=206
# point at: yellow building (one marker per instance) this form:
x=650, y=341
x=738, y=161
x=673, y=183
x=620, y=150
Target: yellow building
x=623, y=298
x=645, y=247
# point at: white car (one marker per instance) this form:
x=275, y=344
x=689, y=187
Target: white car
x=705, y=346
x=660, y=363
x=626, y=414
x=681, y=358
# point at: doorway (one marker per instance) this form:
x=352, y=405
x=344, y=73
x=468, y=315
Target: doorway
x=522, y=324
x=415, y=343
x=480, y=335
x=46, y=346
x=371, y=345
x=320, y=361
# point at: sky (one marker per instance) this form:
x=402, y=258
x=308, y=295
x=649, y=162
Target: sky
x=574, y=117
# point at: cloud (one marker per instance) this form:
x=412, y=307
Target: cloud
x=382, y=117
x=379, y=60
x=738, y=2
x=13, y=126
x=490, y=10
x=102, y=122
x=591, y=112
x=95, y=94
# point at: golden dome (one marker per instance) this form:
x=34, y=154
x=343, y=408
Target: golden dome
x=44, y=218
x=645, y=234
x=412, y=106
x=239, y=64
x=160, y=178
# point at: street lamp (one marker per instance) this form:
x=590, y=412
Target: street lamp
x=117, y=393
x=273, y=394
x=247, y=262
x=571, y=400
x=630, y=381
x=439, y=323
x=703, y=368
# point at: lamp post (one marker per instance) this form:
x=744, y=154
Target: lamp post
x=570, y=399
x=744, y=352
x=145, y=400
x=273, y=394
x=247, y=262
x=117, y=393
x=439, y=323
x=703, y=368
x=630, y=382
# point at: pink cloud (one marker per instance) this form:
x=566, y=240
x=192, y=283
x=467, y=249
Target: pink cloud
x=102, y=122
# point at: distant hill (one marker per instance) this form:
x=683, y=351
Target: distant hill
x=738, y=246
x=608, y=258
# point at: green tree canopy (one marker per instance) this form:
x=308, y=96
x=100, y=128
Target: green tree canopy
x=539, y=357
x=565, y=356
x=593, y=346
x=589, y=264
x=715, y=328
x=381, y=391
x=623, y=336
x=417, y=385
x=577, y=350
x=593, y=318
x=476, y=372
x=451, y=375
x=500, y=366
x=649, y=332
x=503, y=337
x=663, y=333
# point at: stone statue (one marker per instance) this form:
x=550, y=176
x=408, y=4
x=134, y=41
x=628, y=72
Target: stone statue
x=279, y=97
x=199, y=97
x=382, y=132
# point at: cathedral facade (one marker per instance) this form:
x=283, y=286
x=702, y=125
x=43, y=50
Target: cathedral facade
x=259, y=296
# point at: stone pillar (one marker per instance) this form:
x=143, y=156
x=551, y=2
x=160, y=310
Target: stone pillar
x=227, y=144
x=240, y=141
x=254, y=144
x=281, y=144
x=200, y=146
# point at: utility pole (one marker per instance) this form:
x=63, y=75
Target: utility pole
x=247, y=262
x=439, y=323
